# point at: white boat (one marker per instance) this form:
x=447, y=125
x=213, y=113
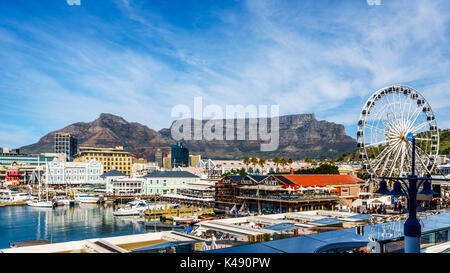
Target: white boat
x=135, y=207
x=63, y=200
x=187, y=219
x=86, y=198
x=40, y=203
x=9, y=196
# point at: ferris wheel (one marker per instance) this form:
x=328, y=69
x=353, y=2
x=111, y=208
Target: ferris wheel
x=385, y=121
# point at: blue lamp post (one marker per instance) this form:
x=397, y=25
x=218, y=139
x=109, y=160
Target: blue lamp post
x=412, y=228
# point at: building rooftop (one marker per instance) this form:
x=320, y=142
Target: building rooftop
x=112, y=173
x=170, y=174
x=322, y=180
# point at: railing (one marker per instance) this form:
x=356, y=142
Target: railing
x=289, y=197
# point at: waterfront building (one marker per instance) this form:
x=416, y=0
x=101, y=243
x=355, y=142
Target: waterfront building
x=108, y=177
x=140, y=169
x=223, y=166
x=196, y=193
x=167, y=182
x=443, y=169
x=194, y=170
x=67, y=144
x=73, y=173
x=125, y=186
x=194, y=160
x=110, y=158
x=285, y=193
x=350, y=169
x=15, y=173
x=179, y=155
x=33, y=160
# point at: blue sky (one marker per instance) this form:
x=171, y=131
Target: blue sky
x=62, y=63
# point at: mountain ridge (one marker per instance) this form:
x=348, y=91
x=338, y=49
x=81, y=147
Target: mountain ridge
x=300, y=136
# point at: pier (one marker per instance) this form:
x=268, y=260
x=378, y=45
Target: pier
x=182, y=211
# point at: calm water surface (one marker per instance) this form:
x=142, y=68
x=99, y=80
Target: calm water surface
x=20, y=223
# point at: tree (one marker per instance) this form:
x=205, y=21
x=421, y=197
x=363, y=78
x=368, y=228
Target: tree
x=254, y=162
x=276, y=161
x=262, y=163
x=247, y=161
x=290, y=161
x=283, y=162
x=324, y=168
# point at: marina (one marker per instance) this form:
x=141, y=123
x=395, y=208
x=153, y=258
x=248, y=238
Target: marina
x=61, y=224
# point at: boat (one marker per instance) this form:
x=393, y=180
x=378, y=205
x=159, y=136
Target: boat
x=135, y=207
x=41, y=203
x=86, y=198
x=9, y=196
x=185, y=220
x=63, y=200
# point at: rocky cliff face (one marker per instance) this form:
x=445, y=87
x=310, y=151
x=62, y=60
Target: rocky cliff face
x=299, y=136
x=107, y=131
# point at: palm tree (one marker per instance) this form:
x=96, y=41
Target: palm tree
x=247, y=161
x=283, y=162
x=261, y=163
x=254, y=162
x=290, y=161
x=276, y=161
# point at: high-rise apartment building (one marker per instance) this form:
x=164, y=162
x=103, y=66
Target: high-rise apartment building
x=179, y=156
x=66, y=144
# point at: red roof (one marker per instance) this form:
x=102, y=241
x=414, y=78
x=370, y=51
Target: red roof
x=322, y=180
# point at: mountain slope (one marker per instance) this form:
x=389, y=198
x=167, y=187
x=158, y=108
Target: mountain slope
x=300, y=136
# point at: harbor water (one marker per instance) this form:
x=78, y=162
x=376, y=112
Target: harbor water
x=62, y=224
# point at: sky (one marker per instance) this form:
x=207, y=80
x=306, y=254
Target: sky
x=67, y=61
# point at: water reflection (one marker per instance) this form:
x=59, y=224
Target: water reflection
x=20, y=223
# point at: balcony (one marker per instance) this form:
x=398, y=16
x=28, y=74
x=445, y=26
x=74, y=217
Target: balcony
x=289, y=198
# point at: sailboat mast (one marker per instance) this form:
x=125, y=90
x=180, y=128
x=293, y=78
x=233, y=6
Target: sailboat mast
x=46, y=179
x=39, y=179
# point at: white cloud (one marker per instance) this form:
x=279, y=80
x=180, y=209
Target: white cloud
x=73, y=2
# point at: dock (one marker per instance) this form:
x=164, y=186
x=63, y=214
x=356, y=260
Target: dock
x=182, y=211
x=18, y=203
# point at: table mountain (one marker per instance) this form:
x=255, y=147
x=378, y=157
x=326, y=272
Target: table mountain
x=299, y=136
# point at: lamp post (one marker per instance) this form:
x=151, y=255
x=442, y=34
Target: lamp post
x=412, y=228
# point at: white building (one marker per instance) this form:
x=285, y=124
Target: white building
x=167, y=182
x=223, y=166
x=140, y=169
x=125, y=186
x=73, y=173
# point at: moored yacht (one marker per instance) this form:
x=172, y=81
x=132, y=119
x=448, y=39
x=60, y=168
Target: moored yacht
x=86, y=198
x=9, y=196
x=63, y=200
x=135, y=207
x=40, y=203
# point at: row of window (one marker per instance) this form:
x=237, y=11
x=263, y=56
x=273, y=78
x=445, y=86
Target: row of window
x=81, y=171
x=73, y=178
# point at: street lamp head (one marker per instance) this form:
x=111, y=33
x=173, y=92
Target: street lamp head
x=426, y=189
x=383, y=188
x=397, y=190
